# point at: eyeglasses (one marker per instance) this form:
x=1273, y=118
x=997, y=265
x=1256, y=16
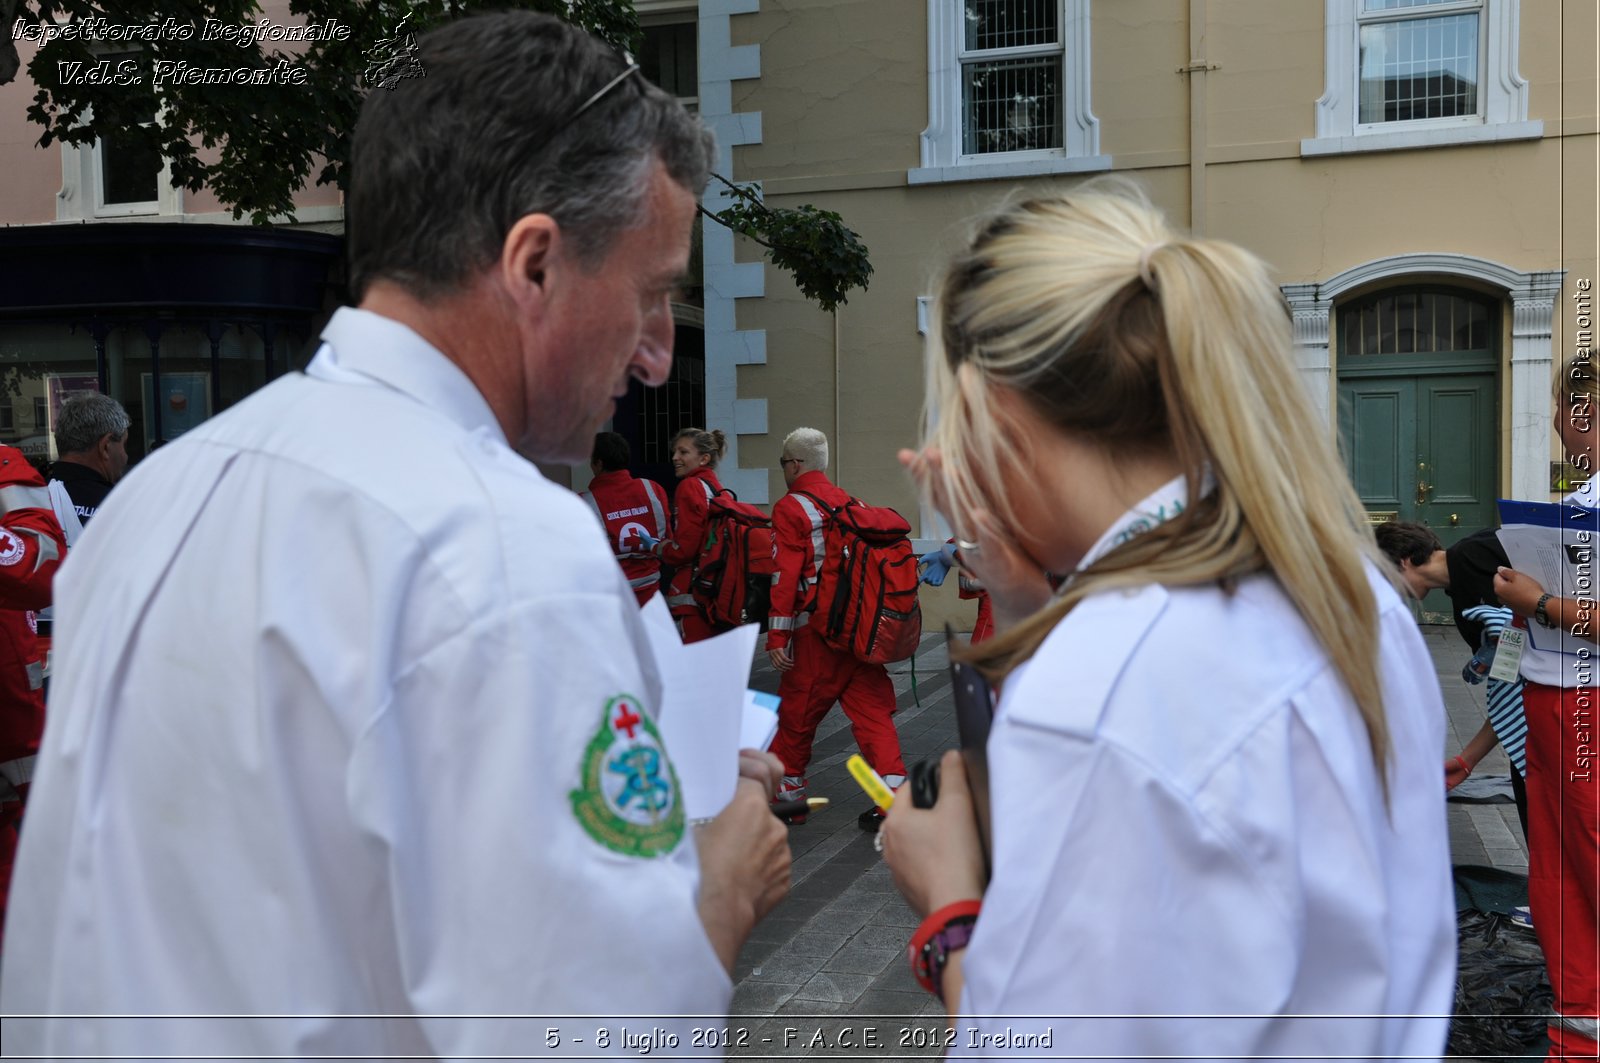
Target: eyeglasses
x=786, y=461
x=631, y=69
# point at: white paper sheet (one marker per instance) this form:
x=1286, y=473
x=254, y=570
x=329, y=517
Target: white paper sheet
x=702, y=709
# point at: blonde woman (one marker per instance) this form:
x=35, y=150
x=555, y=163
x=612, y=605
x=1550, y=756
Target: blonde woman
x=1214, y=762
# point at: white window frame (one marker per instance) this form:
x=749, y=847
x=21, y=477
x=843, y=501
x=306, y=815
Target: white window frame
x=1502, y=92
x=942, y=157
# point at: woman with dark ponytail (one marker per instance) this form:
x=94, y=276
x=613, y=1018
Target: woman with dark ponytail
x=1213, y=768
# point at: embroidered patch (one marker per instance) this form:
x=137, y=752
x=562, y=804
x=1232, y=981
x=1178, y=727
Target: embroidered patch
x=629, y=800
x=12, y=548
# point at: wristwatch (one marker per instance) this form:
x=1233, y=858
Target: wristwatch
x=1539, y=613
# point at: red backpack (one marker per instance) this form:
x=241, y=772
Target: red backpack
x=867, y=603
x=733, y=577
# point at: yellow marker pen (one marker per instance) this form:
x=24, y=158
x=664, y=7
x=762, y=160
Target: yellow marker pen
x=870, y=781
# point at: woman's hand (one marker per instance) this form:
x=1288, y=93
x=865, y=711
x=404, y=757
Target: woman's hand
x=934, y=853
x=1518, y=592
x=1017, y=584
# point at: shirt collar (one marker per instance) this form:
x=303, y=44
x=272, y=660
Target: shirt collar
x=359, y=343
x=1160, y=505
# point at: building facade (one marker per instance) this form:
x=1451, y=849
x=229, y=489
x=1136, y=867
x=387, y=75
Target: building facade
x=1420, y=174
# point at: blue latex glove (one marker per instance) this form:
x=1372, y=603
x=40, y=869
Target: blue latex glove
x=641, y=541
x=937, y=563
x=1495, y=619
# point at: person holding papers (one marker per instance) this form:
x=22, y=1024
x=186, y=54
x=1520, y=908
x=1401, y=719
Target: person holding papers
x=1559, y=700
x=354, y=750
x=1214, y=760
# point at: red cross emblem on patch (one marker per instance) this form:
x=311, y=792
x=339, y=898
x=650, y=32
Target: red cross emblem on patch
x=626, y=719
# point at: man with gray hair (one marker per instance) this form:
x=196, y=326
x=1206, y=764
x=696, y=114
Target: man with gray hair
x=812, y=674
x=92, y=441
x=353, y=745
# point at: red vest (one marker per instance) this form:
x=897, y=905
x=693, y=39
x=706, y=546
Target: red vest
x=31, y=549
x=628, y=506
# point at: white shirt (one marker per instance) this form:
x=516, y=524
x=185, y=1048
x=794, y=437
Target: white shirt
x=1187, y=821
x=1578, y=660
x=322, y=736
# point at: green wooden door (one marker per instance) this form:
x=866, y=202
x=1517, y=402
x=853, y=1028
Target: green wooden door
x=1423, y=448
x=1418, y=395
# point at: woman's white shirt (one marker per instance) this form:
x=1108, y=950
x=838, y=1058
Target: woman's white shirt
x=1188, y=823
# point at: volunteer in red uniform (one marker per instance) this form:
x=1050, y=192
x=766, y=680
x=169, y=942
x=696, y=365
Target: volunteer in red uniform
x=695, y=453
x=813, y=674
x=31, y=549
x=936, y=564
x=627, y=505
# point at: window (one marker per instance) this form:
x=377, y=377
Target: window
x=1415, y=73
x=1010, y=76
x=8, y=418
x=667, y=59
x=1417, y=68
x=1414, y=322
x=41, y=414
x=118, y=176
x=1008, y=91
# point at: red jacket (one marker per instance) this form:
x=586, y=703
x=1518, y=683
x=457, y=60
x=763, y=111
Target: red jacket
x=628, y=505
x=799, y=526
x=691, y=502
x=31, y=549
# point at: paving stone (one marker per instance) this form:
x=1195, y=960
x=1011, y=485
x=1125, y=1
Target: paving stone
x=760, y=998
x=861, y=959
x=877, y=936
x=890, y=1003
x=786, y=965
x=842, y=988
x=777, y=927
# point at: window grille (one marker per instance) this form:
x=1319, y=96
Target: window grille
x=678, y=404
x=1419, y=67
x=1011, y=76
x=1414, y=322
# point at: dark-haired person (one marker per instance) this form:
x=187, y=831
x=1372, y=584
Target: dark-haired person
x=1217, y=827
x=355, y=716
x=1465, y=572
x=695, y=453
x=627, y=505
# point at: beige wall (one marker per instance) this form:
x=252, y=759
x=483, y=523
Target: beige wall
x=843, y=99
x=34, y=175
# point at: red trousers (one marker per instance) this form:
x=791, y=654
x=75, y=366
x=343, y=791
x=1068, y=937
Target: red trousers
x=821, y=676
x=1564, y=853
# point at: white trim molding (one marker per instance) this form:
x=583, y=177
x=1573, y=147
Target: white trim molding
x=942, y=158
x=1503, y=104
x=80, y=193
x=1529, y=362
x=726, y=280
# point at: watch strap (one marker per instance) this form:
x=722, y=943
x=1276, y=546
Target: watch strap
x=1540, y=614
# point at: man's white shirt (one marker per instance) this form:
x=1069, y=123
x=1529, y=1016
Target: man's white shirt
x=352, y=716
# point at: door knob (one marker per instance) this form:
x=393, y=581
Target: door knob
x=1455, y=520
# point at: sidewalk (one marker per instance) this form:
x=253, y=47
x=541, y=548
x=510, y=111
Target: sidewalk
x=825, y=974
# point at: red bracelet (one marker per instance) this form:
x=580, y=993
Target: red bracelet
x=925, y=952
x=1465, y=767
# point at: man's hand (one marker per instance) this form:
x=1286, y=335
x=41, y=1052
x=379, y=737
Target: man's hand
x=744, y=868
x=1518, y=592
x=763, y=767
x=781, y=657
x=934, y=853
